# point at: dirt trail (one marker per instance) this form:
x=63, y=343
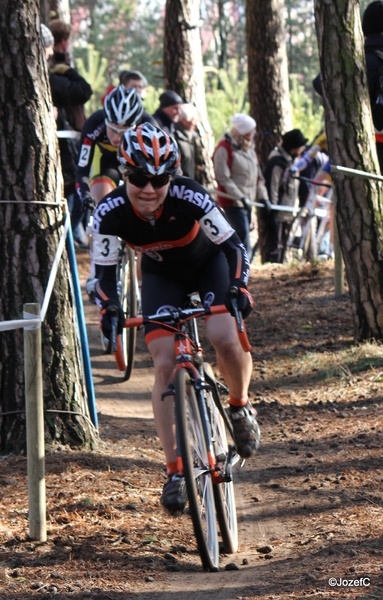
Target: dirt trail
x=130, y=401
x=310, y=503
x=289, y=494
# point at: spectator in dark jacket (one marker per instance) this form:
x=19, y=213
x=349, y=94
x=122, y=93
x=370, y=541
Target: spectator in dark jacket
x=169, y=111
x=372, y=26
x=70, y=92
x=281, y=190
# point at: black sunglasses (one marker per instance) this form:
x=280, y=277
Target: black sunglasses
x=141, y=181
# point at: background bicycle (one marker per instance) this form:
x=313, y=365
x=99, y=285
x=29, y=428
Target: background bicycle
x=310, y=233
x=130, y=301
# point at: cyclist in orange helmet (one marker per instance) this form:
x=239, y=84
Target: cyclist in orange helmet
x=187, y=245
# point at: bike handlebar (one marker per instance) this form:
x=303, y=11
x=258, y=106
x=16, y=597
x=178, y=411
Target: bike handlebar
x=313, y=181
x=183, y=314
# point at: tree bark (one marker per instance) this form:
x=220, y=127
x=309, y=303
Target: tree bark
x=184, y=74
x=59, y=9
x=30, y=171
x=268, y=73
x=351, y=144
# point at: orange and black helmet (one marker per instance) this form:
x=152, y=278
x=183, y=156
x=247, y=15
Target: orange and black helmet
x=149, y=149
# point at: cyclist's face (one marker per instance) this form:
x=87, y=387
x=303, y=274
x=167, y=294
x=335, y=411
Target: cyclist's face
x=115, y=133
x=148, y=199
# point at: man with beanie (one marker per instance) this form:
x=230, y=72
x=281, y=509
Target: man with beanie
x=169, y=111
x=47, y=40
x=239, y=176
x=275, y=228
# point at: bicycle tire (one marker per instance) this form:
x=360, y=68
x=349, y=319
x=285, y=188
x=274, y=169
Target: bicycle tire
x=196, y=470
x=223, y=492
x=128, y=300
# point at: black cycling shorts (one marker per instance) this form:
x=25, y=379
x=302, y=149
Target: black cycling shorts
x=164, y=290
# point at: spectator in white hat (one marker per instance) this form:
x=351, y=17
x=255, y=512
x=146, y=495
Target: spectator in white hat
x=239, y=176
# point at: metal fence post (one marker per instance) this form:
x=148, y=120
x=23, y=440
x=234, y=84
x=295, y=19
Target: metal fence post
x=35, y=425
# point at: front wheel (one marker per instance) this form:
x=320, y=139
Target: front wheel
x=196, y=470
x=128, y=301
x=223, y=492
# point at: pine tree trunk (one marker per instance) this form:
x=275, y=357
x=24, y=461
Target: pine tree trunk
x=351, y=144
x=30, y=171
x=60, y=10
x=268, y=74
x=184, y=74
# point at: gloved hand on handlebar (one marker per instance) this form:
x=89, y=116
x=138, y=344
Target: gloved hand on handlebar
x=239, y=299
x=106, y=315
x=88, y=202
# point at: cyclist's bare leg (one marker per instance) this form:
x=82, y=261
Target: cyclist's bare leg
x=234, y=364
x=236, y=368
x=162, y=352
x=99, y=189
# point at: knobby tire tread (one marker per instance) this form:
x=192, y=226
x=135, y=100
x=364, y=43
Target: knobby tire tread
x=185, y=400
x=128, y=278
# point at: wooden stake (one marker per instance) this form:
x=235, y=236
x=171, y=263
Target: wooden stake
x=35, y=426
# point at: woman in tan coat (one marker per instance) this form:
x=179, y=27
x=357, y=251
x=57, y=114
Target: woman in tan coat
x=238, y=175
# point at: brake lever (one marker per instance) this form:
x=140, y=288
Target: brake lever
x=234, y=304
x=114, y=324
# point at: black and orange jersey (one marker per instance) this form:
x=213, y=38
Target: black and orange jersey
x=93, y=134
x=188, y=230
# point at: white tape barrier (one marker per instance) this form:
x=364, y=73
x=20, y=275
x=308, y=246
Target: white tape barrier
x=55, y=265
x=18, y=324
x=348, y=171
x=68, y=134
x=283, y=207
x=33, y=323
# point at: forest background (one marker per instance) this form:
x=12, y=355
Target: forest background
x=128, y=34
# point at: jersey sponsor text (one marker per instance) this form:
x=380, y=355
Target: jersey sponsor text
x=202, y=200
x=103, y=208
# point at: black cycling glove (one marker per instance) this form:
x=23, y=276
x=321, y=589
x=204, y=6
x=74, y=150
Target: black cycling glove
x=106, y=315
x=240, y=299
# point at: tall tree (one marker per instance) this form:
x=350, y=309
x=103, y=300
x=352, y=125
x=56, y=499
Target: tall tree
x=30, y=172
x=302, y=48
x=127, y=33
x=268, y=75
x=59, y=9
x=224, y=22
x=185, y=75
x=359, y=202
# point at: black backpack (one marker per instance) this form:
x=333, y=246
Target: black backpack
x=377, y=107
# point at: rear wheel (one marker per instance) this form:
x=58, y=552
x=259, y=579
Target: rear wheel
x=128, y=301
x=301, y=239
x=196, y=470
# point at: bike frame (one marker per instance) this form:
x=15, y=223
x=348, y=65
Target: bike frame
x=189, y=356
